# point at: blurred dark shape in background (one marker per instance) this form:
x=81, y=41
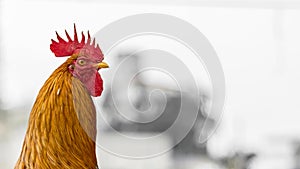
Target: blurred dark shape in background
x=296, y=149
x=190, y=144
x=239, y=160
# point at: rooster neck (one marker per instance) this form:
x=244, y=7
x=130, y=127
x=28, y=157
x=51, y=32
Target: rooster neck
x=62, y=126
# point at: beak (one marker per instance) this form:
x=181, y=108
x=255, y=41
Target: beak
x=102, y=65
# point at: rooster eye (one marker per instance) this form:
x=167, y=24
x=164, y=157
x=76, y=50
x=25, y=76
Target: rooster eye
x=81, y=62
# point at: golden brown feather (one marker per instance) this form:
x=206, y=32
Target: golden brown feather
x=62, y=125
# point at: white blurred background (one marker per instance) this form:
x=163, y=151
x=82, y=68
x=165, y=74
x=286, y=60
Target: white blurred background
x=257, y=44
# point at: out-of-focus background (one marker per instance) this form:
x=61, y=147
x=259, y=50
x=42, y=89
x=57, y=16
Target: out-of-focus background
x=258, y=46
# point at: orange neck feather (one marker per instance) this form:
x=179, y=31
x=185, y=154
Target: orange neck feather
x=62, y=126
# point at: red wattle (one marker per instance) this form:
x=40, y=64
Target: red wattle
x=95, y=84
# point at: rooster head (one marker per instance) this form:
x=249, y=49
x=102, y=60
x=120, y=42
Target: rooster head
x=87, y=59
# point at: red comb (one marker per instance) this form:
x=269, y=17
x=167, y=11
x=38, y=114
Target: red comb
x=64, y=48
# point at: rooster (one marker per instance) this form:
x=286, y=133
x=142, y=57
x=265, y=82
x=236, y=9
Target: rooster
x=61, y=130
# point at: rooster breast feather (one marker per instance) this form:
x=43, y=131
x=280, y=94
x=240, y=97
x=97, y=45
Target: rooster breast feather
x=62, y=126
